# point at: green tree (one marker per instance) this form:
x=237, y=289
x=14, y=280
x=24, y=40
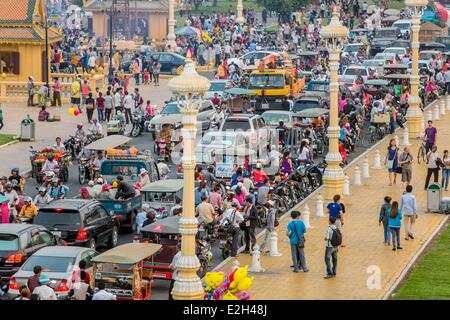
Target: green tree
x=282, y=6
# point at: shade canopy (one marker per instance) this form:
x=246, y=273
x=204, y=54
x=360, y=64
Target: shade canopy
x=112, y=141
x=129, y=253
x=311, y=113
x=187, y=32
x=235, y=151
x=376, y=82
x=167, y=119
x=169, y=225
x=168, y=185
x=237, y=91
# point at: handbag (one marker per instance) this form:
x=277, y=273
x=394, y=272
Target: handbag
x=231, y=227
x=399, y=170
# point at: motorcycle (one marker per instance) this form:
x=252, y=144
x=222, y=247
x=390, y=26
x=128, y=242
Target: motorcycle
x=73, y=146
x=138, y=122
x=25, y=220
x=204, y=255
x=225, y=241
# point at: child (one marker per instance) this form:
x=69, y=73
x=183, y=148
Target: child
x=149, y=109
x=146, y=76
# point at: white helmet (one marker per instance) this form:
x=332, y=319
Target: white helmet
x=49, y=174
x=100, y=181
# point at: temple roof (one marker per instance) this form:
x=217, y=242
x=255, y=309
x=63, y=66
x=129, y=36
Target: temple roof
x=142, y=5
x=28, y=34
x=17, y=11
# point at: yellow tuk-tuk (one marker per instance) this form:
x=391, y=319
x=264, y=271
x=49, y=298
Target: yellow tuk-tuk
x=121, y=270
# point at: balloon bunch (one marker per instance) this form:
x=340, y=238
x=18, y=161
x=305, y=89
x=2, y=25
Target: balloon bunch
x=73, y=112
x=233, y=286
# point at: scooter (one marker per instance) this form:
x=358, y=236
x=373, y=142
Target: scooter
x=138, y=122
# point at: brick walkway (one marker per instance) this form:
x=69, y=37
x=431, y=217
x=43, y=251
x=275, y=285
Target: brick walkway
x=363, y=238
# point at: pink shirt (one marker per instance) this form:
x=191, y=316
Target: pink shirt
x=216, y=200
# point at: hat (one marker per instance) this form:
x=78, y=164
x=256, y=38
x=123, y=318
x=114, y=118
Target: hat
x=100, y=181
x=259, y=165
x=271, y=202
x=91, y=183
x=27, y=199
x=43, y=279
x=143, y=170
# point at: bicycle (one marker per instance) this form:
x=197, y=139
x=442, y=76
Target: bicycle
x=375, y=133
x=422, y=153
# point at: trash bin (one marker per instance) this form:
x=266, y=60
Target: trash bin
x=27, y=129
x=434, y=197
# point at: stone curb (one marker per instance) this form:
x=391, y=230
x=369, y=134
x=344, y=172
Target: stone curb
x=9, y=143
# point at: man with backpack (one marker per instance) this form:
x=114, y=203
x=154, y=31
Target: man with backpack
x=333, y=238
x=295, y=231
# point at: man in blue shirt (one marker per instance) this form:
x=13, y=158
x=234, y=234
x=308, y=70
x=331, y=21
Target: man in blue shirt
x=336, y=210
x=295, y=231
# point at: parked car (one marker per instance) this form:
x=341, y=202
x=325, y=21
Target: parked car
x=219, y=87
x=58, y=263
x=251, y=58
x=256, y=132
x=80, y=222
x=170, y=62
x=18, y=242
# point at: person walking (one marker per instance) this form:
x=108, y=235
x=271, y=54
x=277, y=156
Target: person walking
x=108, y=105
x=127, y=104
x=391, y=160
x=90, y=107
x=75, y=94
x=445, y=170
x=100, y=107
x=270, y=225
x=295, y=231
x=156, y=71
x=405, y=161
x=433, y=166
x=251, y=223
x=31, y=91
x=384, y=219
x=336, y=209
x=333, y=239
x=56, y=92
x=430, y=136
x=408, y=206
x=395, y=222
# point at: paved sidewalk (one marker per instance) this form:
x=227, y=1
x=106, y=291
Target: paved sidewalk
x=364, y=253
x=17, y=155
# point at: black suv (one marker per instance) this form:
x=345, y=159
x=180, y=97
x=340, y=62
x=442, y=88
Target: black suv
x=79, y=222
x=18, y=242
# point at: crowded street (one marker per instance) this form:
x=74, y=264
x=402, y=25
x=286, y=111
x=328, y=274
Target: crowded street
x=204, y=155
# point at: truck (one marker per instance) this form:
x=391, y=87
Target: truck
x=124, y=210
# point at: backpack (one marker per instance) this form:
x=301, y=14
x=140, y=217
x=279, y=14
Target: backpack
x=336, y=238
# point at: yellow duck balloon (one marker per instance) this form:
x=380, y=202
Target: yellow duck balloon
x=245, y=284
x=213, y=280
x=239, y=275
x=229, y=296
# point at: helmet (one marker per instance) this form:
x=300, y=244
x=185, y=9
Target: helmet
x=55, y=180
x=259, y=165
x=211, y=169
x=27, y=199
x=16, y=170
x=91, y=183
x=100, y=181
x=79, y=126
x=9, y=185
x=42, y=189
x=43, y=279
x=50, y=156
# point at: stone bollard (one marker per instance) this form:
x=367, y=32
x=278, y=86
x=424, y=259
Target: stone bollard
x=346, y=186
x=305, y=217
x=447, y=101
x=319, y=206
x=357, y=178
x=436, y=112
x=442, y=106
x=377, y=160
x=273, y=251
x=365, y=168
x=429, y=115
x=256, y=260
x=406, y=137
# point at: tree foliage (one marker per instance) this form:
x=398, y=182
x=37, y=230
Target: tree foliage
x=282, y=6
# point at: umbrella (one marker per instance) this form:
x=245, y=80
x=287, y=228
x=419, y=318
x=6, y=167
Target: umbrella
x=392, y=12
x=167, y=119
x=311, y=113
x=235, y=151
x=187, y=32
x=376, y=82
x=169, y=225
x=239, y=91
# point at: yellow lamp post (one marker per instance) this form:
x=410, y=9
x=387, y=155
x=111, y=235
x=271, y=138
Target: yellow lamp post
x=240, y=18
x=414, y=114
x=171, y=26
x=333, y=178
x=189, y=88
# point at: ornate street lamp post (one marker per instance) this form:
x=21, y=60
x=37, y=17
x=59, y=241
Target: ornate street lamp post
x=333, y=34
x=414, y=114
x=189, y=88
x=171, y=26
x=240, y=18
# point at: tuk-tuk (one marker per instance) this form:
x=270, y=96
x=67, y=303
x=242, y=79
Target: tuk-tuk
x=445, y=40
x=376, y=87
x=394, y=68
x=433, y=46
x=115, y=127
x=122, y=270
x=236, y=98
x=305, y=118
x=166, y=232
x=161, y=195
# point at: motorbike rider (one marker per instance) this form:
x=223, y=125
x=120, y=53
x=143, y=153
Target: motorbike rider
x=232, y=217
x=210, y=178
x=216, y=100
x=42, y=198
x=80, y=134
x=57, y=191
x=58, y=146
x=96, y=127
x=97, y=162
x=259, y=175
x=13, y=197
x=15, y=176
x=164, y=137
x=163, y=168
x=50, y=164
x=281, y=129
x=28, y=211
